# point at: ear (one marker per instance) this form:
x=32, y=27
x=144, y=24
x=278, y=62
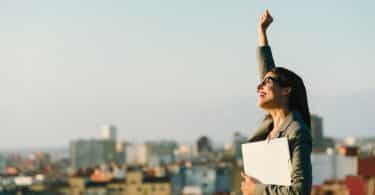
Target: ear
x=286, y=90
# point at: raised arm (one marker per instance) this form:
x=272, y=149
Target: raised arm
x=264, y=54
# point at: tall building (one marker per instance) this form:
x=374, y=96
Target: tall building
x=109, y=132
x=320, y=142
x=316, y=127
x=204, y=145
x=89, y=153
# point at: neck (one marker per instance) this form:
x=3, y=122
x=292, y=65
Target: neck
x=278, y=116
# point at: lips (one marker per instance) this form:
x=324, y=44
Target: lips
x=262, y=94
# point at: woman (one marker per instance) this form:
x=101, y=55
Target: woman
x=283, y=95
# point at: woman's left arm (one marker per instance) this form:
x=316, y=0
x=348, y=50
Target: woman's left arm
x=301, y=146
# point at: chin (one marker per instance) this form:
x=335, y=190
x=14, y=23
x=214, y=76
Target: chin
x=265, y=104
x=261, y=104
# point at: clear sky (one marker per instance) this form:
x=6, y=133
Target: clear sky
x=175, y=69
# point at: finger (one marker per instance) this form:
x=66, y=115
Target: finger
x=247, y=178
x=243, y=186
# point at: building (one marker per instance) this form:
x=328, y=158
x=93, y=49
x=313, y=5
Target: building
x=90, y=153
x=223, y=182
x=366, y=167
x=316, y=128
x=137, y=185
x=357, y=185
x=109, y=132
x=320, y=142
x=183, y=153
x=121, y=152
x=157, y=186
x=178, y=178
x=238, y=140
x=332, y=166
x=322, y=167
x=137, y=154
x=3, y=164
x=204, y=145
x=133, y=184
x=162, y=151
x=202, y=175
x=367, y=146
x=192, y=190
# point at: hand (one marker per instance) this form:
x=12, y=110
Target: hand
x=265, y=21
x=247, y=185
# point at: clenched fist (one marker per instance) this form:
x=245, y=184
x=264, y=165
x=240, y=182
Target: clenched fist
x=264, y=21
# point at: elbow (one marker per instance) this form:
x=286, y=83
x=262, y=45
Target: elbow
x=303, y=188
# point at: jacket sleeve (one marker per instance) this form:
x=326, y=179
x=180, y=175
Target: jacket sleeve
x=301, y=146
x=265, y=60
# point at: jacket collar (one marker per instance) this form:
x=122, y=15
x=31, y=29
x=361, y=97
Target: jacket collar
x=266, y=126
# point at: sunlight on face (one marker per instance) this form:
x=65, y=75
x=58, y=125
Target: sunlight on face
x=269, y=92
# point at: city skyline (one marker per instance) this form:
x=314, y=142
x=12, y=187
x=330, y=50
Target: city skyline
x=166, y=68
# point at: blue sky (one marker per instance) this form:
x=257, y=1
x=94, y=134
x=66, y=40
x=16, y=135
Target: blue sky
x=160, y=69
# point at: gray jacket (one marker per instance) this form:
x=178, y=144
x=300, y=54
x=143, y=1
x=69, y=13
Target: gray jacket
x=299, y=140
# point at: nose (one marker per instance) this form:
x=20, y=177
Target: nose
x=259, y=86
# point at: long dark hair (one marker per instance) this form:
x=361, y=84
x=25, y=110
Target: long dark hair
x=297, y=100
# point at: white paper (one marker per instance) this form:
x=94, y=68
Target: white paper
x=268, y=161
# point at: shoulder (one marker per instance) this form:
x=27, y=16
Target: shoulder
x=298, y=130
x=262, y=130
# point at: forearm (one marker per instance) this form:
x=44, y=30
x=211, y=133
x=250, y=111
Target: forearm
x=265, y=60
x=262, y=37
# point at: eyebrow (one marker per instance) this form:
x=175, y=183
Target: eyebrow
x=272, y=78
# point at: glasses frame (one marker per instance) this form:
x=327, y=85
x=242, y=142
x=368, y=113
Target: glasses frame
x=269, y=78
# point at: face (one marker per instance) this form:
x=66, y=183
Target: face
x=270, y=94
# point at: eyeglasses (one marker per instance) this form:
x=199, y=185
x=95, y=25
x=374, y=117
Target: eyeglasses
x=268, y=81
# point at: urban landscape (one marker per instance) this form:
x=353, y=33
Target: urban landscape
x=165, y=167
x=197, y=97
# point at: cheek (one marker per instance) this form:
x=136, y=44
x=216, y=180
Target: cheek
x=277, y=94
x=271, y=92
